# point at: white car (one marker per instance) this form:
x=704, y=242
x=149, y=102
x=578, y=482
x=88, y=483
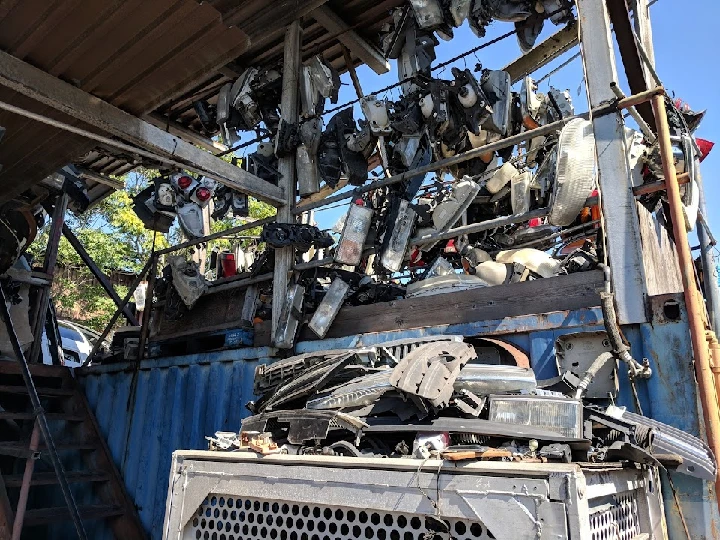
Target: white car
x=75, y=344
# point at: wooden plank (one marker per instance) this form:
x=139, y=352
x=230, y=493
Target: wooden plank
x=544, y=53
x=284, y=257
x=633, y=65
x=662, y=271
x=366, y=52
x=101, y=178
x=40, y=86
x=560, y=293
x=617, y=199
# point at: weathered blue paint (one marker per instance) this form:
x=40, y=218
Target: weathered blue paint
x=168, y=404
x=173, y=403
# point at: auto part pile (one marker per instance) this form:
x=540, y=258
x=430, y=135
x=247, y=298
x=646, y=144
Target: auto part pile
x=440, y=397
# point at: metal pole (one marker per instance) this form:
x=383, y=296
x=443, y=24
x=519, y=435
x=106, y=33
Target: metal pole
x=41, y=419
x=25, y=487
x=99, y=275
x=284, y=257
x=51, y=255
x=710, y=272
x=701, y=351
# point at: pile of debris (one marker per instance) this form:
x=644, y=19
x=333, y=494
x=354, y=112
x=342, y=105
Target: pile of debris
x=438, y=397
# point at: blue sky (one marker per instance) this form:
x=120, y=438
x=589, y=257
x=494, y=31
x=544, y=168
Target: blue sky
x=685, y=62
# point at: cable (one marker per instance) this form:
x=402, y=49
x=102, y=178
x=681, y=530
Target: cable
x=561, y=66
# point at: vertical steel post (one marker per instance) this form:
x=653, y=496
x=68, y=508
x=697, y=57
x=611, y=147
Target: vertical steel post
x=710, y=271
x=621, y=223
x=701, y=350
x=289, y=109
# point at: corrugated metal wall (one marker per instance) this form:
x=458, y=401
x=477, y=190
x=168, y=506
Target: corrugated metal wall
x=168, y=404
x=174, y=403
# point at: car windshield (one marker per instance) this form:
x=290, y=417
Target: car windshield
x=69, y=333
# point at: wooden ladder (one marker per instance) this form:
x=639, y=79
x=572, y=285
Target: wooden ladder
x=97, y=486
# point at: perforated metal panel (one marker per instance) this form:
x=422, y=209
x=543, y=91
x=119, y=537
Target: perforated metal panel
x=222, y=517
x=619, y=521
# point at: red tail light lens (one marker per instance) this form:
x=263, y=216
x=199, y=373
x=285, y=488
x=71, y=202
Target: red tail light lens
x=203, y=194
x=184, y=182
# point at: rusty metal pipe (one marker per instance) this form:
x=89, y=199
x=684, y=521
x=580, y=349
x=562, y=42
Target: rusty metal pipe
x=25, y=487
x=701, y=350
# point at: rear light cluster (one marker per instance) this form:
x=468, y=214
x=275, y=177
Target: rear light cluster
x=184, y=182
x=203, y=194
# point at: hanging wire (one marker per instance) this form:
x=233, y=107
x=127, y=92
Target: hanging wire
x=561, y=66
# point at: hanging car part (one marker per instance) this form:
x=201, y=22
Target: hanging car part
x=290, y=316
x=329, y=307
x=402, y=219
x=357, y=224
x=187, y=279
x=574, y=172
x=303, y=237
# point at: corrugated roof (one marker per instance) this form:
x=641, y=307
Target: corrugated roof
x=146, y=56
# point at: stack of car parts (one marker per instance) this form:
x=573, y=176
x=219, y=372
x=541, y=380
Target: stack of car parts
x=436, y=397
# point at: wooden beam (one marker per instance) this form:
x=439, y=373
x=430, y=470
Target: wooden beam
x=177, y=129
x=44, y=88
x=284, y=257
x=574, y=291
x=365, y=51
x=99, y=275
x=544, y=53
x=100, y=178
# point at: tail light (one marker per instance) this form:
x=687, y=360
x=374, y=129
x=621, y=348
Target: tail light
x=184, y=182
x=705, y=148
x=203, y=194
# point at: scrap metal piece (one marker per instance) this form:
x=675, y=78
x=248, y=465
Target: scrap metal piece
x=359, y=392
x=329, y=307
x=191, y=221
x=470, y=403
x=187, y=280
x=482, y=379
x=301, y=236
x=394, y=248
x=444, y=284
x=290, y=316
x=577, y=352
x=307, y=382
x=698, y=460
x=308, y=172
x=430, y=371
x=269, y=377
x=476, y=426
x=357, y=224
x=303, y=425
